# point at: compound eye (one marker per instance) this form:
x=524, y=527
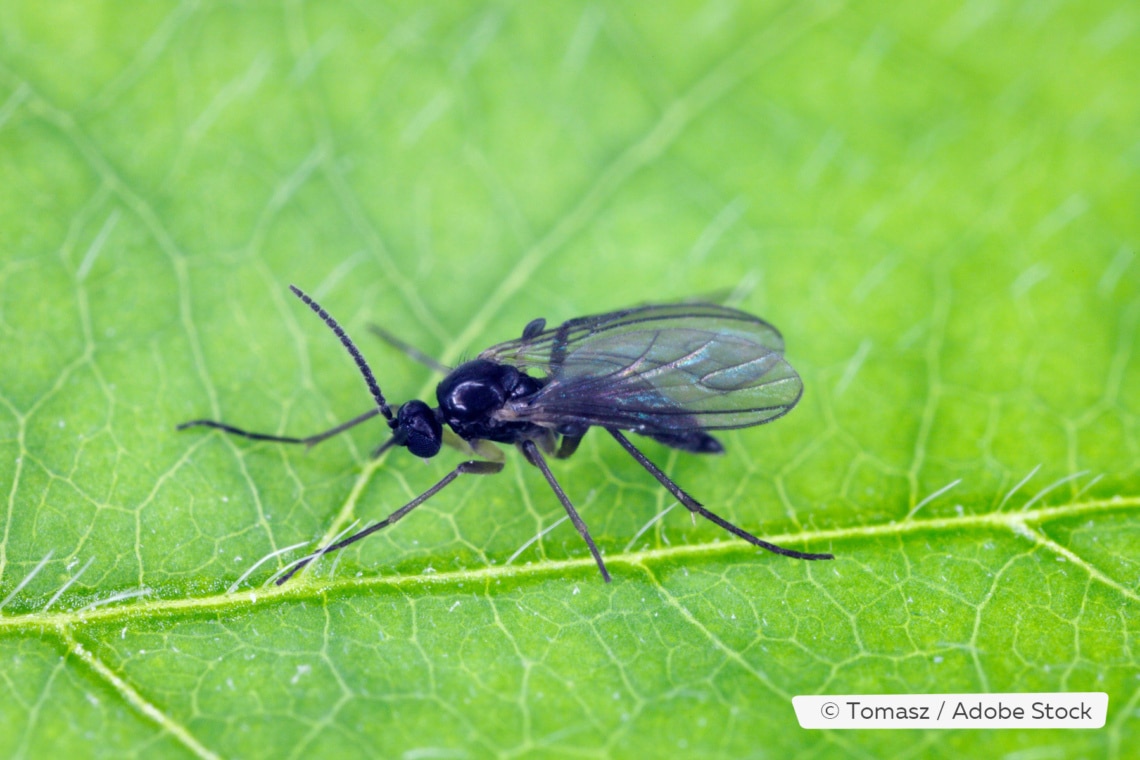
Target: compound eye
x=423, y=433
x=474, y=398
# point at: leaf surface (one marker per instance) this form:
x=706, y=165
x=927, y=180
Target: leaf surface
x=936, y=206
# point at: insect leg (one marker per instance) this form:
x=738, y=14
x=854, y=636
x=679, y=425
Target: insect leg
x=696, y=507
x=312, y=440
x=567, y=446
x=465, y=468
x=408, y=349
x=534, y=456
x=476, y=447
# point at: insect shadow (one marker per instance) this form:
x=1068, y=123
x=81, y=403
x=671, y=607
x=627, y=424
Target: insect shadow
x=670, y=372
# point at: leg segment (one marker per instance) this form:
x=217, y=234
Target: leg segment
x=567, y=446
x=695, y=506
x=408, y=349
x=534, y=456
x=465, y=468
x=312, y=440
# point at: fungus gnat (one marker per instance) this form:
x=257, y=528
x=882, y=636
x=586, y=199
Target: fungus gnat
x=670, y=372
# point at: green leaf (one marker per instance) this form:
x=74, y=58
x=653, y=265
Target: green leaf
x=936, y=204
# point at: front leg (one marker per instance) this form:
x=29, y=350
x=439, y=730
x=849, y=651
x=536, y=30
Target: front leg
x=476, y=447
x=473, y=467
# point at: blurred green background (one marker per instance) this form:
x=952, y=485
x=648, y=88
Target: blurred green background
x=935, y=202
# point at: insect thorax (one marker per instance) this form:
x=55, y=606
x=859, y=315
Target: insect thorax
x=474, y=391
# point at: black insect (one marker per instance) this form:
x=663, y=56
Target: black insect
x=671, y=372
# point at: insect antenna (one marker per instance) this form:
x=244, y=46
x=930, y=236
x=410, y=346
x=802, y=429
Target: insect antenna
x=346, y=341
x=310, y=441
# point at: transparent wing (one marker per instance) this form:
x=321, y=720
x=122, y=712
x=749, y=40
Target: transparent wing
x=656, y=369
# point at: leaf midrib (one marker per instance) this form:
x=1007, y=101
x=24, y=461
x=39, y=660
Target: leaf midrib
x=1015, y=522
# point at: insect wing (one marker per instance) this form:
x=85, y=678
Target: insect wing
x=656, y=369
